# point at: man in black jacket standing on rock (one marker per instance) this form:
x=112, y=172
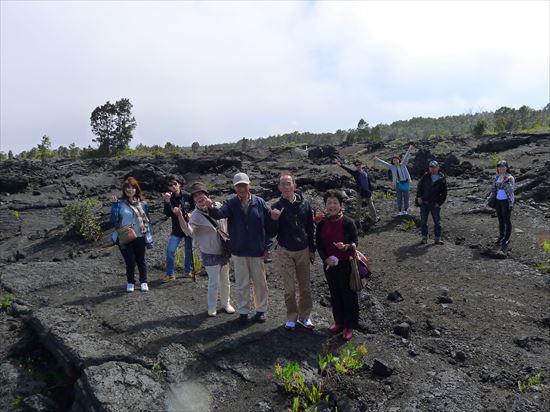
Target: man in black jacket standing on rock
x=364, y=190
x=292, y=223
x=430, y=195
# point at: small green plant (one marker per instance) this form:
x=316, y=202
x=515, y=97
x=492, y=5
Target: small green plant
x=408, y=225
x=178, y=259
x=493, y=159
x=289, y=375
x=546, y=246
x=350, y=358
x=531, y=381
x=382, y=195
x=18, y=401
x=156, y=366
x=6, y=301
x=197, y=261
x=544, y=267
x=17, y=215
x=294, y=382
x=80, y=215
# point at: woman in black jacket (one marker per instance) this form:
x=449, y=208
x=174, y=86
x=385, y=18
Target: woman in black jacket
x=335, y=236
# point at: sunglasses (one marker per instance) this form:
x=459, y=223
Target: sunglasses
x=501, y=165
x=433, y=166
x=173, y=184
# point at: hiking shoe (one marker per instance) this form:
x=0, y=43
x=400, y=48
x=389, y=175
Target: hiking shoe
x=212, y=312
x=347, y=334
x=424, y=241
x=505, y=245
x=243, y=319
x=306, y=323
x=144, y=287
x=335, y=328
x=439, y=242
x=167, y=278
x=498, y=241
x=130, y=287
x=260, y=317
x=290, y=325
x=229, y=309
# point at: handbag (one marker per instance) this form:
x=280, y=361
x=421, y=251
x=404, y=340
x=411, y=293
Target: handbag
x=403, y=186
x=492, y=201
x=126, y=234
x=224, y=237
x=355, y=282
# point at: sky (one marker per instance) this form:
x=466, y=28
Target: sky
x=218, y=71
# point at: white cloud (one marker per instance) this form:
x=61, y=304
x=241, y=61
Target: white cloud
x=219, y=71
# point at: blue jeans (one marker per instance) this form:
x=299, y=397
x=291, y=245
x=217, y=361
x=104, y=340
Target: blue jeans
x=173, y=243
x=425, y=211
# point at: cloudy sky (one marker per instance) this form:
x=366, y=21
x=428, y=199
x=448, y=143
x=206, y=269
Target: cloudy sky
x=218, y=71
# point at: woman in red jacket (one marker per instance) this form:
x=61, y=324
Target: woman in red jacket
x=335, y=236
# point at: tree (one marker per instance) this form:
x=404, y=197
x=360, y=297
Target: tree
x=44, y=148
x=113, y=125
x=195, y=147
x=480, y=127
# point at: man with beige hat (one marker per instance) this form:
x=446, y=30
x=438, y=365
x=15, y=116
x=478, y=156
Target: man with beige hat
x=248, y=217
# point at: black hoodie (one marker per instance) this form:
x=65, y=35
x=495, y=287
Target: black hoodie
x=185, y=202
x=294, y=229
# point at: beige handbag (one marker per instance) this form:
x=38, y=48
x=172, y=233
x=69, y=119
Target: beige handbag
x=126, y=234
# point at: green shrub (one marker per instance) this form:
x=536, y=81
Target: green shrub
x=80, y=215
x=441, y=148
x=494, y=159
x=6, y=302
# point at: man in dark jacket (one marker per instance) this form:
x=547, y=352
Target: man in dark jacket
x=292, y=223
x=364, y=190
x=177, y=197
x=248, y=217
x=430, y=195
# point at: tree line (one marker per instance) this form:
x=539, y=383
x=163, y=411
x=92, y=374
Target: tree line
x=113, y=124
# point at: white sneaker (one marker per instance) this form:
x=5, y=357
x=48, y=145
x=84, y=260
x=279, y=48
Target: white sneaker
x=130, y=287
x=290, y=325
x=405, y=212
x=144, y=287
x=212, y=312
x=307, y=323
x=229, y=309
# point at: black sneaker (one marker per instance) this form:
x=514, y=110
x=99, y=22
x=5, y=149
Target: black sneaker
x=498, y=241
x=505, y=245
x=260, y=317
x=243, y=319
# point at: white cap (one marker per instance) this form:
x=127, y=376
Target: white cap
x=240, y=178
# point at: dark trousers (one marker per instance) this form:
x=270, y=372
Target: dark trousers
x=134, y=253
x=504, y=214
x=345, y=304
x=425, y=211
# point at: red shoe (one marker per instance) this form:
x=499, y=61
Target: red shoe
x=335, y=328
x=348, y=334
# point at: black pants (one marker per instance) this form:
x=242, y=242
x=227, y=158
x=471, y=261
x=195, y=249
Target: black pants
x=134, y=253
x=504, y=214
x=345, y=304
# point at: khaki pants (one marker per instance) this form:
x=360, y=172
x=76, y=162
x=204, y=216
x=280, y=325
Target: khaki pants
x=246, y=269
x=370, y=205
x=293, y=267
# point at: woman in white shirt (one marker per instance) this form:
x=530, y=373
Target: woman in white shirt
x=204, y=231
